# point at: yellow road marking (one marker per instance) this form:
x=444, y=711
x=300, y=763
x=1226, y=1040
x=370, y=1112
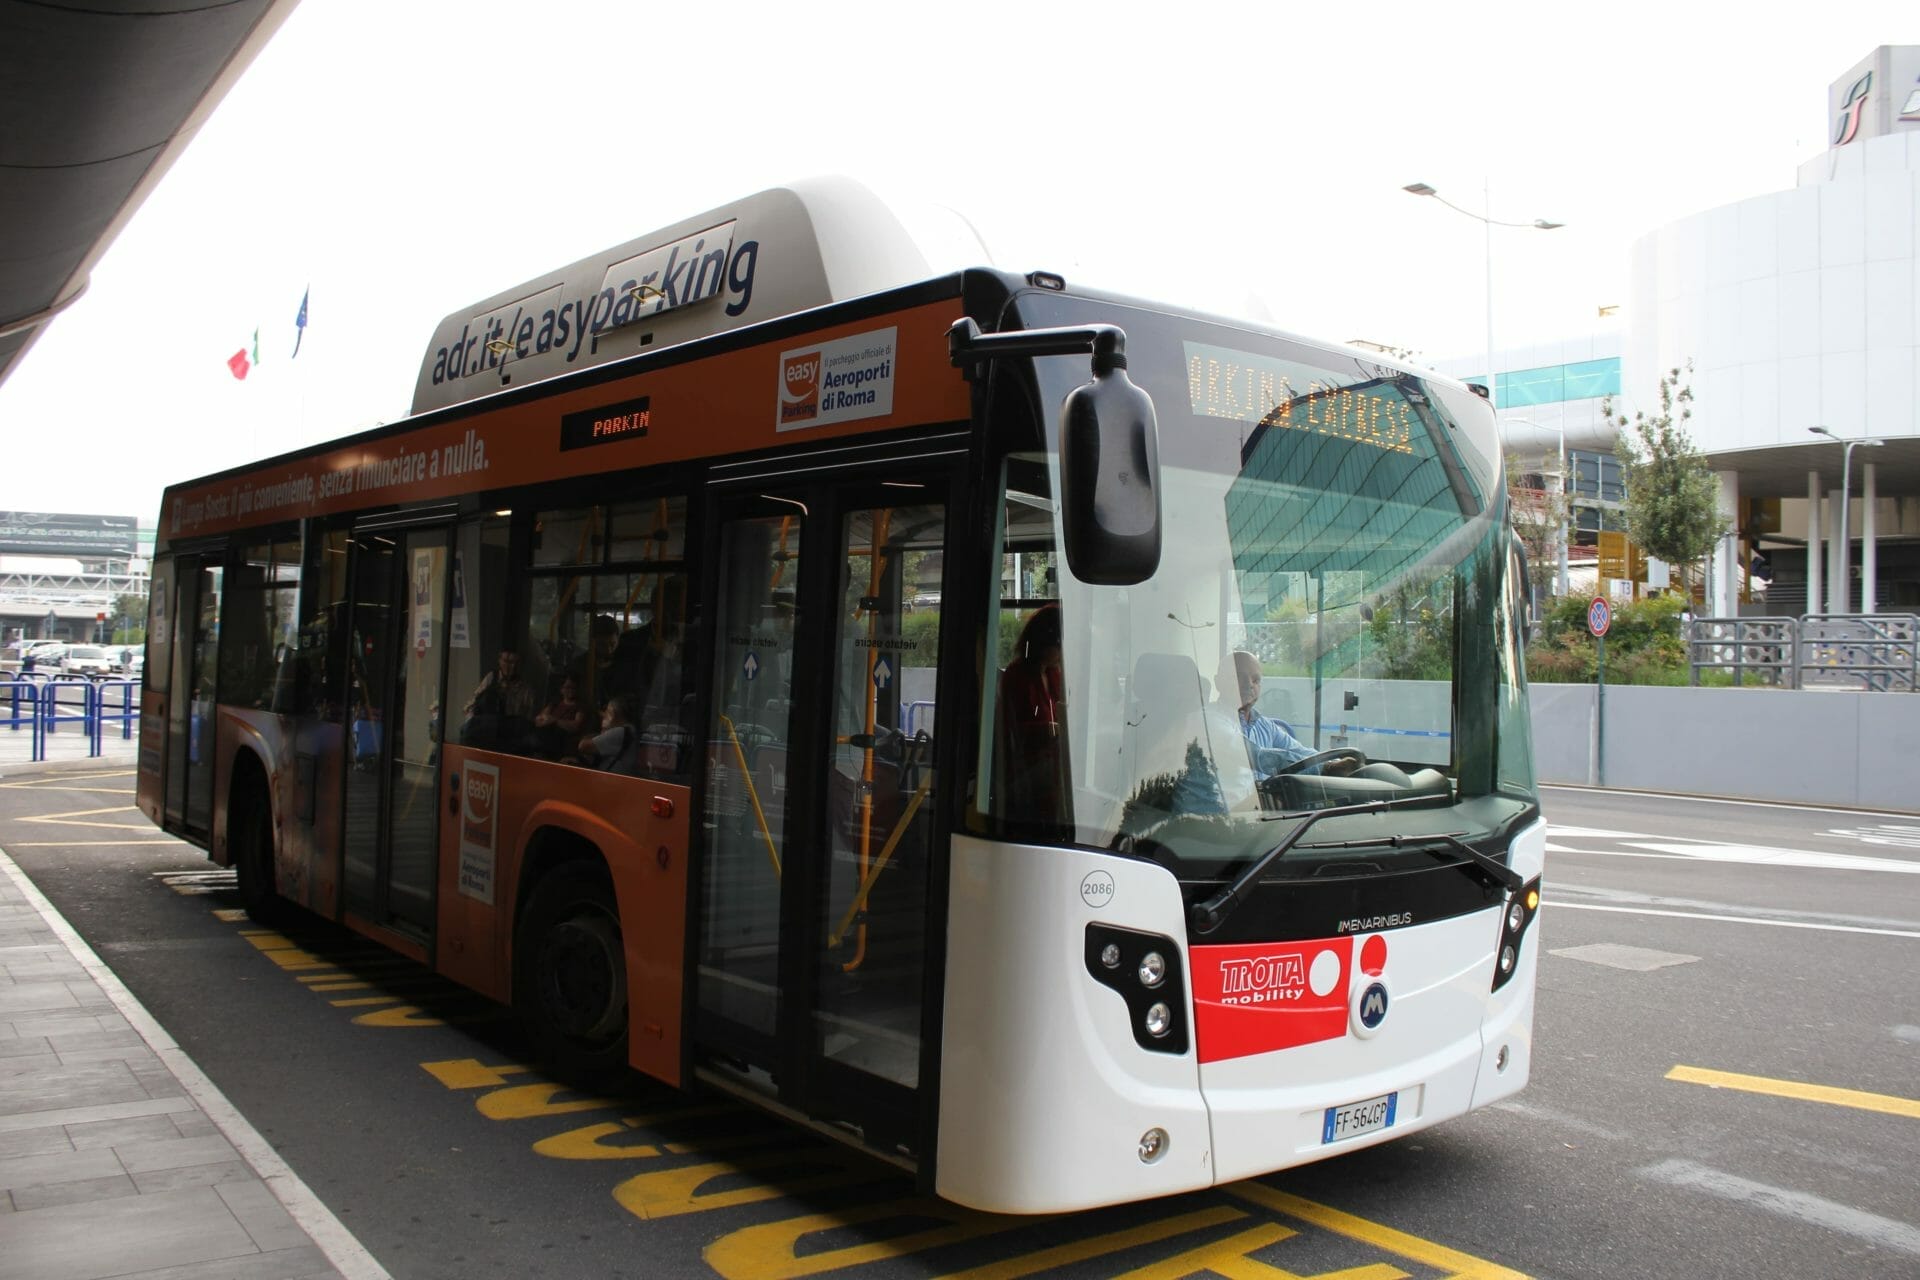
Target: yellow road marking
x=63, y=819
x=357, y=1001
x=230, y=914
x=1886, y=1104
x=772, y=1250
x=1458, y=1266
x=48, y=784
x=1076, y=1251
x=471, y=1073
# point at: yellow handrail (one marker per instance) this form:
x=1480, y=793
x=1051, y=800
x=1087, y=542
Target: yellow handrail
x=753, y=795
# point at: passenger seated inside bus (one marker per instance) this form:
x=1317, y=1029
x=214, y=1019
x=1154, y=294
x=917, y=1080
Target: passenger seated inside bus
x=559, y=726
x=616, y=748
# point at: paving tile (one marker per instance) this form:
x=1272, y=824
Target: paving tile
x=23, y=1062
x=20, y=1046
x=157, y=1079
x=266, y=1220
x=33, y=997
x=77, y=1038
x=129, y=1053
x=117, y=1237
x=304, y=1263
x=85, y=1191
x=87, y=993
x=193, y=1124
x=53, y=1022
x=174, y=1153
x=33, y=972
x=76, y=1085
x=99, y=1111
x=195, y=1175
x=34, y=1142
x=101, y=1134
x=59, y=1166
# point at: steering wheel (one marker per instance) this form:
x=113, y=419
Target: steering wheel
x=1321, y=757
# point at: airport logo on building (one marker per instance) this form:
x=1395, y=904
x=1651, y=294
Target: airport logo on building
x=1847, y=128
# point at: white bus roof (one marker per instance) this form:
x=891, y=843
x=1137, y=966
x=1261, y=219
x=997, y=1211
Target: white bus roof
x=783, y=250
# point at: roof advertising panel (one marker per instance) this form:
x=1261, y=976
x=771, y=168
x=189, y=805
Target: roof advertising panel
x=53, y=533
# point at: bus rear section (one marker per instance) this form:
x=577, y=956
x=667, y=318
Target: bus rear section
x=1274, y=894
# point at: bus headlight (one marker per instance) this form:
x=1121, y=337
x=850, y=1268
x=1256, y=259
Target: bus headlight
x=1514, y=920
x=1146, y=970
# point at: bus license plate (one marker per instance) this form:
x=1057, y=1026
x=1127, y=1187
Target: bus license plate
x=1356, y=1118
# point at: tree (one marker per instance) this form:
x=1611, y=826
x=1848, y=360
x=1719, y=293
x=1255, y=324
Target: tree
x=1538, y=506
x=1672, y=507
x=128, y=620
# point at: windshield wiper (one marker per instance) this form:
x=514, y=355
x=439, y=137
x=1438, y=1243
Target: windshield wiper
x=1205, y=917
x=1507, y=877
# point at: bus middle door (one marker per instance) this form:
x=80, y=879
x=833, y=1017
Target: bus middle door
x=396, y=670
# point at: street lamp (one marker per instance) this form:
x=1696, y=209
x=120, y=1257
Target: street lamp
x=1846, y=529
x=1488, y=223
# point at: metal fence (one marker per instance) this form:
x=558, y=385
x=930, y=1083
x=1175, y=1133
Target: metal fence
x=1871, y=652
x=45, y=706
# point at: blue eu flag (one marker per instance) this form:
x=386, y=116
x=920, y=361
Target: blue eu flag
x=300, y=321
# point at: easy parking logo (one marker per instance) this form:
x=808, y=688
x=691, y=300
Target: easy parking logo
x=479, y=830
x=800, y=386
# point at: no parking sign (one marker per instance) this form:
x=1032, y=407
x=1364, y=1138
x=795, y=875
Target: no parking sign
x=1599, y=616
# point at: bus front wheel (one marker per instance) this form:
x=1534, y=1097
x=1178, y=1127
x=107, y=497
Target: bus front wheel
x=570, y=985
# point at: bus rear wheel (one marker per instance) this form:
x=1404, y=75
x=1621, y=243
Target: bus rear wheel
x=570, y=976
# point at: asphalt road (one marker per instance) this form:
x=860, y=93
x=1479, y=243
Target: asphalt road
x=1726, y=1083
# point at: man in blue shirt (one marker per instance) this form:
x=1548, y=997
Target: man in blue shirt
x=1269, y=746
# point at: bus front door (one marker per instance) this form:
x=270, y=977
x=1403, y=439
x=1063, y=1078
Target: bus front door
x=820, y=794
x=195, y=653
x=396, y=667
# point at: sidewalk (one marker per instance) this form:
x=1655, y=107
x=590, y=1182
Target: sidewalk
x=118, y=1157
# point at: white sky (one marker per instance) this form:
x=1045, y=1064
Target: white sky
x=406, y=159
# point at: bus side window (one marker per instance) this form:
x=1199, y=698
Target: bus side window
x=606, y=616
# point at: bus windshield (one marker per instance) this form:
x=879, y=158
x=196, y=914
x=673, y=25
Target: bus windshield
x=1334, y=621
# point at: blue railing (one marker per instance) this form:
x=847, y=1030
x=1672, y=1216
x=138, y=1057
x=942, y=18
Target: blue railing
x=41, y=704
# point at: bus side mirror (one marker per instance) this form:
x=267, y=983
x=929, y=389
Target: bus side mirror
x=1110, y=477
x=1109, y=448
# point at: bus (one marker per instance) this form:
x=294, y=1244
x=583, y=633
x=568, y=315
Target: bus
x=1074, y=748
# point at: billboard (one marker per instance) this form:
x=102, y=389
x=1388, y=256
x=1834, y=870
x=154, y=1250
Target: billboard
x=52, y=533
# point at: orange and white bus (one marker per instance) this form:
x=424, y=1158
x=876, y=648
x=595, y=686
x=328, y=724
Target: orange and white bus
x=1073, y=747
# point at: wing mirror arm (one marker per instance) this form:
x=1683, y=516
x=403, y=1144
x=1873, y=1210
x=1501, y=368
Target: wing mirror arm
x=1109, y=448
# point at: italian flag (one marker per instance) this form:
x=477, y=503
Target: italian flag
x=242, y=361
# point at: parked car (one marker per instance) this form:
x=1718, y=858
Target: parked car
x=90, y=660
x=45, y=654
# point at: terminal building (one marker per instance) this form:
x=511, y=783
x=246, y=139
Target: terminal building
x=62, y=575
x=1799, y=311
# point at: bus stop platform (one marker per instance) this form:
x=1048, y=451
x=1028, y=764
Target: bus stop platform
x=118, y=1157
